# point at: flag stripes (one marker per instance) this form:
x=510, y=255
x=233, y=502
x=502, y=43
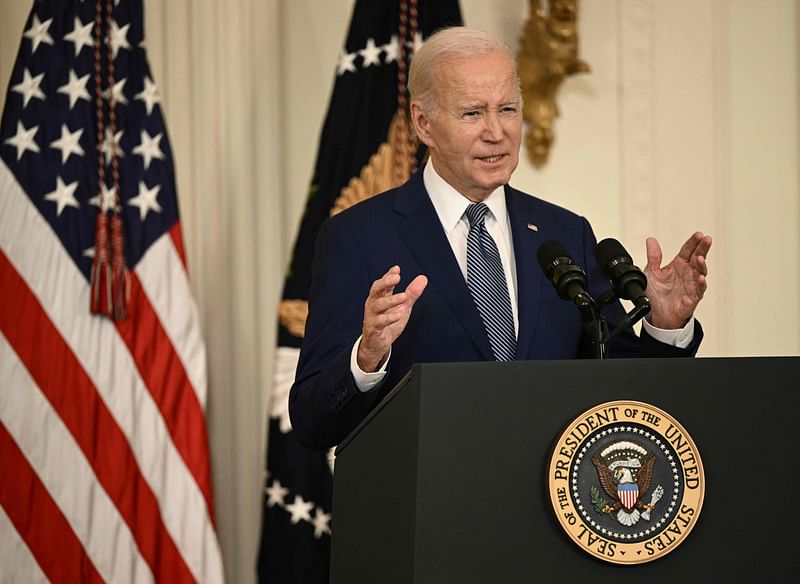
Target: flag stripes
x=53, y=455
x=24, y=567
x=142, y=423
x=162, y=273
x=165, y=379
x=77, y=405
x=58, y=551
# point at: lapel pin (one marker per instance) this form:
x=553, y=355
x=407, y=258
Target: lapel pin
x=533, y=227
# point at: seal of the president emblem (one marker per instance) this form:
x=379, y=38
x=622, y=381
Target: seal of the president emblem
x=626, y=482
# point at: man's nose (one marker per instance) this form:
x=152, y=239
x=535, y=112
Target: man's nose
x=493, y=129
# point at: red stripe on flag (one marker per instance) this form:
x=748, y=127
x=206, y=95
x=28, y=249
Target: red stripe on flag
x=177, y=240
x=165, y=377
x=61, y=378
x=39, y=521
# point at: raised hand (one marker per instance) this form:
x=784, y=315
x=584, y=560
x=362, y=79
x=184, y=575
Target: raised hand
x=385, y=317
x=677, y=288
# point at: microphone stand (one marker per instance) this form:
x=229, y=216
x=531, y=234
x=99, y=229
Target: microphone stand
x=640, y=309
x=594, y=323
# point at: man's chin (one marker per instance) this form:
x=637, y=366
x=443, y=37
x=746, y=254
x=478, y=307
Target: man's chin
x=495, y=179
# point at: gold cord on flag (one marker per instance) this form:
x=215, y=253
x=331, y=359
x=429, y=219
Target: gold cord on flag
x=110, y=279
x=408, y=31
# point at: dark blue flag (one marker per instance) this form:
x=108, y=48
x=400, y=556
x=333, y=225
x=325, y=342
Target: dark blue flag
x=365, y=148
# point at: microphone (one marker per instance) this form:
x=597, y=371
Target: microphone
x=629, y=282
x=568, y=279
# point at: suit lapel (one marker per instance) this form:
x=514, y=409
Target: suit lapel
x=421, y=231
x=527, y=238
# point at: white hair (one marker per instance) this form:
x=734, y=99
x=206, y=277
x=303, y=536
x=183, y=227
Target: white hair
x=456, y=42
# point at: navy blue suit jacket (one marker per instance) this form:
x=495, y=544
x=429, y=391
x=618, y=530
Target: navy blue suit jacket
x=401, y=227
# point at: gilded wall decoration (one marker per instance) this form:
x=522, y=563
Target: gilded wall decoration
x=548, y=54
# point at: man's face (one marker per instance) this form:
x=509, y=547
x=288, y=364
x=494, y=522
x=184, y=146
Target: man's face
x=474, y=135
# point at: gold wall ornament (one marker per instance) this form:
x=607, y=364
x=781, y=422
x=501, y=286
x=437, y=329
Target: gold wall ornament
x=548, y=54
x=389, y=167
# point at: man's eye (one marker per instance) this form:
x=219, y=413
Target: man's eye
x=471, y=114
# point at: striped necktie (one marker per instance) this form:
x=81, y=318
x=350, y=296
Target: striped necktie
x=487, y=283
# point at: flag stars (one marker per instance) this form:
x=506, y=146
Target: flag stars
x=106, y=200
x=149, y=95
x=118, y=38
x=68, y=143
x=276, y=494
x=300, y=510
x=112, y=144
x=24, y=139
x=29, y=87
x=117, y=92
x=148, y=148
x=38, y=32
x=416, y=43
x=81, y=36
x=146, y=200
x=321, y=523
x=63, y=196
x=75, y=88
x=347, y=62
x=371, y=54
x=391, y=48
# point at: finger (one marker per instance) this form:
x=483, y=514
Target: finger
x=385, y=303
x=700, y=265
x=704, y=246
x=415, y=289
x=381, y=321
x=654, y=255
x=691, y=246
x=386, y=283
x=702, y=286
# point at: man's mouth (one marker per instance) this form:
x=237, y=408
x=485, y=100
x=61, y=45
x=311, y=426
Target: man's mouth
x=491, y=158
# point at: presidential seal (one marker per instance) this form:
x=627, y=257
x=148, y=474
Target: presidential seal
x=626, y=482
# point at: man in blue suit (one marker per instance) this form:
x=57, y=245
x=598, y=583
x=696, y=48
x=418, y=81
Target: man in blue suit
x=395, y=279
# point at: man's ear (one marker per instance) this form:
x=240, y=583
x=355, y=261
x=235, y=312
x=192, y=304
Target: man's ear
x=421, y=123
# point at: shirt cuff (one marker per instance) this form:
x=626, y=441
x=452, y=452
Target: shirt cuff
x=680, y=338
x=366, y=381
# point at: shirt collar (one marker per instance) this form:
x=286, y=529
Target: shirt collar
x=450, y=205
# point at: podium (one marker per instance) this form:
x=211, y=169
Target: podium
x=445, y=480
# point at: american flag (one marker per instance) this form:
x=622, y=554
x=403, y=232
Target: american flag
x=104, y=466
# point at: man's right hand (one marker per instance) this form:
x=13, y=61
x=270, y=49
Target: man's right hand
x=385, y=317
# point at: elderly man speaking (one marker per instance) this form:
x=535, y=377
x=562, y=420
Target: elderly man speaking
x=444, y=269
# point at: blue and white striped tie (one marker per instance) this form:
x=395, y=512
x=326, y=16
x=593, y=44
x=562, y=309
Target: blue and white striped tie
x=487, y=283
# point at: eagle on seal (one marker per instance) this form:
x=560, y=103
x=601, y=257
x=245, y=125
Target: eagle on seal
x=626, y=480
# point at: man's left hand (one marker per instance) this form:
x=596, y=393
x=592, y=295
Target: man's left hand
x=677, y=288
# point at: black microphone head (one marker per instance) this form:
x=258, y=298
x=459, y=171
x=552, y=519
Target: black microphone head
x=608, y=250
x=568, y=278
x=629, y=281
x=548, y=253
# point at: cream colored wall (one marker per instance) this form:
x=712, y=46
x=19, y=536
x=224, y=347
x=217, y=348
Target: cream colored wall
x=689, y=120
